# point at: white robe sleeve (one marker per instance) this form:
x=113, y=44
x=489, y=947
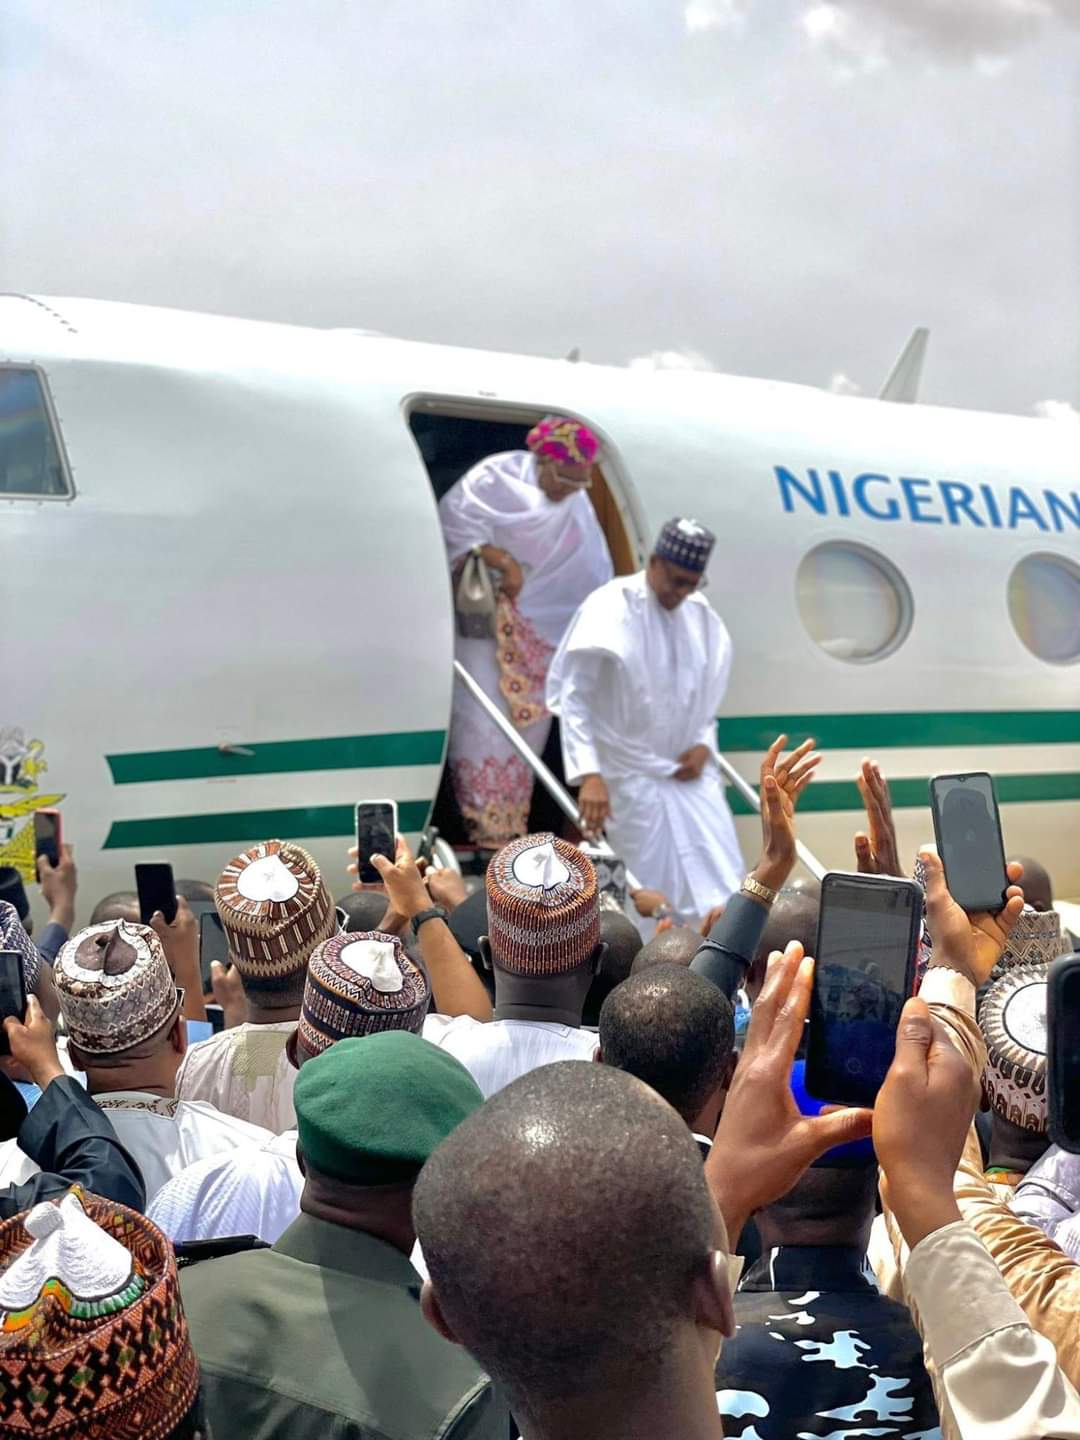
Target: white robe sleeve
x=580, y=684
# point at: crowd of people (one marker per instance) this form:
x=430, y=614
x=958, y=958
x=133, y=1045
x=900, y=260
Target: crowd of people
x=523, y=1159
x=487, y=1165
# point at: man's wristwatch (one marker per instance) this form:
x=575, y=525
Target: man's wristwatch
x=753, y=887
x=436, y=912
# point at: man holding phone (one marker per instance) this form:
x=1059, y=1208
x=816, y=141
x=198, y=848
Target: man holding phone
x=274, y=909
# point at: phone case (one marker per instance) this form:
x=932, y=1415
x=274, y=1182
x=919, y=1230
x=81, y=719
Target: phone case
x=974, y=904
x=820, y=1076
x=1058, y=1076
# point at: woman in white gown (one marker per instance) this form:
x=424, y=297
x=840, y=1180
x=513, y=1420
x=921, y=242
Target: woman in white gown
x=527, y=513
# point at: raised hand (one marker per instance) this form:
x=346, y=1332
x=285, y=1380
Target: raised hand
x=876, y=852
x=405, y=888
x=33, y=1044
x=59, y=885
x=972, y=944
x=782, y=783
x=921, y=1120
x=764, y=1144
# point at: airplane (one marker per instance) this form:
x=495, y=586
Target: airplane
x=229, y=618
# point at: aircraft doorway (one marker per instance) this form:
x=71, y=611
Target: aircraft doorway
x=452, y=437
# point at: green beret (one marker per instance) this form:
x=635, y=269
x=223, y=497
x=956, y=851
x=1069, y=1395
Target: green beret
x=370, y=1110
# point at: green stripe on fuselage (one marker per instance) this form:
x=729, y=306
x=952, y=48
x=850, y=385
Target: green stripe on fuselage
x=894, y=730
x=281, y=757
x=311, y=822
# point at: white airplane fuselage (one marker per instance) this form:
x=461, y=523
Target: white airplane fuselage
x=239, y=622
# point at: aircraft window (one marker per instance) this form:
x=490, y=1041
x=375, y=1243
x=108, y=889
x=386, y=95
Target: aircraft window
x=1044, y=603
x=30, y=460
x=854, y=603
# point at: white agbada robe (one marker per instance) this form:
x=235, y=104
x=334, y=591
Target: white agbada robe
x=163, y=1136
x=636, y=686
x=564, y=556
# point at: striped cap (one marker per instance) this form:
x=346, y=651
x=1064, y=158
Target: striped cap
x=543, y=907
x=275, y=909
x=1013, y=1020
x=358, y=984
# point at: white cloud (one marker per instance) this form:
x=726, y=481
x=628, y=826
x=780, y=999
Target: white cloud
x=672, y=360
x=1060, y=410
x=865, y=35
x=702, y=16
x=841, y=384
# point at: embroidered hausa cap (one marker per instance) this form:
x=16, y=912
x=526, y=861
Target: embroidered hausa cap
x=686, y=543
x=93, y=1340
x=543, y=907
x=1036, y=939
x=359, y=984
x=115, y=987
x=275, y=909
x=14, y=937
x=1013, y=1020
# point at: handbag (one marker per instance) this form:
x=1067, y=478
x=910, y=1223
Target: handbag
x=475, y=599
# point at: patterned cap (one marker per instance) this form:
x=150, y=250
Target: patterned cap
x=13, y=891
x=568, y=442
x=685, y=543
x=1036, y=939
x=93, y=1340
x=115, y=987
x=14, y=937
x=275, y=909
x=1013, y=1020
x=543, y=907
x=358, y=984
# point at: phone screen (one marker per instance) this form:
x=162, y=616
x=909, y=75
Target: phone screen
x=213, y=945
x=968, y=831
x=156, y=892
x=376, y=834
x=867, y=936
x=12, y=992
x=47, y=835
x=1063, y=1051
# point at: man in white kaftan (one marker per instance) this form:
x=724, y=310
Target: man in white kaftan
x=637, y=683
x=527, y=514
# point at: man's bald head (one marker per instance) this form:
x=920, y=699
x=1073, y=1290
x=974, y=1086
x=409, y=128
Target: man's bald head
x=121, y=905
x=794, y=916
x=676, y=946
x=597, y=1227
x=620, y=936
x=1038, y=887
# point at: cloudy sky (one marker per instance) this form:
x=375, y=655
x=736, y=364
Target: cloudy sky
x=769, y=187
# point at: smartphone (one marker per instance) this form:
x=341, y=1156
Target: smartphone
x=1063, y=1051
x=868, y=935
x=48, y=835
x=157, y=891
x=213, y=945
x=12, y=992
x=376, y=834
x=967, y=828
